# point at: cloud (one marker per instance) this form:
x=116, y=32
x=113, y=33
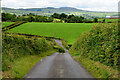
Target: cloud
x=93, y=5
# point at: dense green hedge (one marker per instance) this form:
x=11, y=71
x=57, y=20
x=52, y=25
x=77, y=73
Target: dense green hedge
x=15, y=46
x=59, y=48
x=100, y=44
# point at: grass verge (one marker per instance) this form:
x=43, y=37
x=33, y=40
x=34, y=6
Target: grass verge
x=22, y=65
x=97, y=69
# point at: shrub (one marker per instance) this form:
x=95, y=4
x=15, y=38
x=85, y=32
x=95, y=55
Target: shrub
x=100, y=44
x=60, y=49
x=15, y=46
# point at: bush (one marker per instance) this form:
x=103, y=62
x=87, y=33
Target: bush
x=60, y=49
x=95, y=20
x=15, y=46
x=100, y=44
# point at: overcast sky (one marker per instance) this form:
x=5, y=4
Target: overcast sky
x=92, y=5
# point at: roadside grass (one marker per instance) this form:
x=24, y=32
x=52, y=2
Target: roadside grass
x=69, y=31
x=22, y=65
x=4, y=24
x=97, y=69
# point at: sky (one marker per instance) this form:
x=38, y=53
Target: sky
x=91, y=5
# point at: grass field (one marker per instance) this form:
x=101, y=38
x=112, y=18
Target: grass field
x=68, y=31
x=107, y=20
x=4, y=24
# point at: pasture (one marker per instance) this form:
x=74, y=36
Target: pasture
x=109, y=20
x=68, y=31
x=106, y=20
x=4, y=24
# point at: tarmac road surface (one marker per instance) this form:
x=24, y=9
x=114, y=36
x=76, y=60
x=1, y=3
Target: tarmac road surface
x=58, y=65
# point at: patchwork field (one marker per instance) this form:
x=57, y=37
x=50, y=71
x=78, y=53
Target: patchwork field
x=4, y=24
x=68, y=31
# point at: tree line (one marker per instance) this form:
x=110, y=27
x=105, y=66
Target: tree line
x=75, y=19
x=31, y=17
x=28, y=17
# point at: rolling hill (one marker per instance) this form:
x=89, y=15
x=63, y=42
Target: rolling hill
x=50, y=10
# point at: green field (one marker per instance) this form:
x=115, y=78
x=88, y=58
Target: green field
x=68, y=31
x=107, y=20
x=4, y=24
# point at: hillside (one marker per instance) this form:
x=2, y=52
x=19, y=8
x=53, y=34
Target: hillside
x=50, y=10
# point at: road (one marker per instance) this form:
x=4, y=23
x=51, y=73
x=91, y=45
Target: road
x=58, y=65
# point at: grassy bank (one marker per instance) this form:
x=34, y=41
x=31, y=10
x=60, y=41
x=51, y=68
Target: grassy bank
x=97, y=69
x=21, y=66
x=99, y=45
x=20, y=53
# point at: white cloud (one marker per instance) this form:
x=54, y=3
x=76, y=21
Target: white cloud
x=94, y=5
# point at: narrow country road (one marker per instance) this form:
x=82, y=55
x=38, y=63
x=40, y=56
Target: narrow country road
x=58, y=65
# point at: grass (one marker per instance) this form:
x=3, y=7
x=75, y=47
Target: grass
x=4, y=24
x=97, y=69
x=107, y=20
x=69, y=31
x=21, y=66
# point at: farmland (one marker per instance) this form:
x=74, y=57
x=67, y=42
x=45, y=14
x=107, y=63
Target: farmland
x=107, y=20
x=68, y=31
x=4, y=24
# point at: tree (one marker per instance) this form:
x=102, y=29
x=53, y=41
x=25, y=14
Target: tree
x=70, y=16
x=31, y=14
x=8, y=17
x=62, y=16
x=103, y=20
x=31, y=19
x=81, y=17
x=95, y=20
x=3, y=17
x=50, y=19
x=55, y=15
x=23, y=15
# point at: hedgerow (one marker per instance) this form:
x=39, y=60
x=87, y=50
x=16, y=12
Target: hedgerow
x=16, y=46
x=100, y=44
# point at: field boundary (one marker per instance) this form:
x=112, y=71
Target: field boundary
x=12, y=26
x=30, y=35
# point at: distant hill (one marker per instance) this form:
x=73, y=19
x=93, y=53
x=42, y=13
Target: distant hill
x=50, y=10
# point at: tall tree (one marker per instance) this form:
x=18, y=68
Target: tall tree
x=62, y=16
x=56, y=15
